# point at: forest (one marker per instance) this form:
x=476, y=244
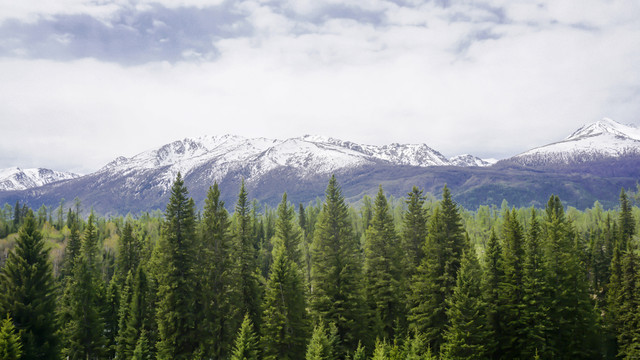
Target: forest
x=385, y=279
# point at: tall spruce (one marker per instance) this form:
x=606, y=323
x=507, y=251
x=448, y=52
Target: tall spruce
x=10, y=346
x=124, y=350
x=629, y=305
x=535, y=291
x=129, y=253
x=415, y=231
x=321, y=345
x=493, y=276
x=383, y=271
x=511, y=288
x=336, y=273
x=467, y=336
x=288, y=231
x=246, y=261
x=28, y=293
x=626, y=222
x=284, y=324
x=177, y=277
x=84, y=325
x=219, y=323
x=435, y=278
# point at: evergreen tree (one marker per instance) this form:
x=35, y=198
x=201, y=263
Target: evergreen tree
x=245, y=255
x=493, y=276
x=111, y=315
x=629, y=305
x=511, y=288
x=177, y=277
x=84, y=297
x=321, y=346
x=435, y=278
x=284, y=328
x=380, y=351
x=142, y=350
x=627, y=222
x=28, y=293
x=534, y=289
x=10, y=346
x=288, y=232
x=246, y=344
x=219, y=292
x=467, y=334
x=71, y=253
x=141, y=314
x=124, y=349
x=336, y=274
x=415, y=231
x=129, y=253
x=360, y=354
x=383, y=271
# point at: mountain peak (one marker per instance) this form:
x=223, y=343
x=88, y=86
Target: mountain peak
x=605, y=126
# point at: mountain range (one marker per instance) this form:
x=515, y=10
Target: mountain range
x=591, y=164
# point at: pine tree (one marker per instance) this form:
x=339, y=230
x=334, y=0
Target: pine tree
x=626, y=222
x=124, y=340
x=321, y=346
x=284, y=328
x=141, y=314
x=336, y=274
x=534, y=289
x=246, y=344
x=28, y=293
x=142, y=350
x=435, y=278
x=493, y=276
x=246, y=266
x=383, y=271
x=83, y=299
x=288, y=232
x=467, y=334
x=380, y=351
x=415, y=231
x=111, y=314
x=219, y=292
x=129, y=253
x=360, y=353
x=177, y=278
x=629, y=305
x=511, y=288
x=71, y=253
x=10, y=346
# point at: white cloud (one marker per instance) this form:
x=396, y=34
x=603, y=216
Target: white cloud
x=425, y=74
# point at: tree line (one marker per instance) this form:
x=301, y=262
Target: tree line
x=425, y=280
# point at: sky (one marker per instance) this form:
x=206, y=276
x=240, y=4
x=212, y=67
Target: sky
x=85, y=81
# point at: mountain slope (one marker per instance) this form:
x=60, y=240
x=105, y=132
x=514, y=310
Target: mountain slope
x=600, y=140
x=16, y=178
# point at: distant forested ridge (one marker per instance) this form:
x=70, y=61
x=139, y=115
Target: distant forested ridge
x=393, y=278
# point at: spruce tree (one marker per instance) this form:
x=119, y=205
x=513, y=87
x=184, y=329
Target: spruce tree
x=336, y=273
x=493, y=277
x=383, y=271
x=535, y=290
x=629, y=305
x=288, y=232
x=511, y=288
x=246, y=344
x=177, y=278
x=129, y=253
x=321, y=346
x=435, y=278
x=141, y=314
x=143, y=349
x=124, y=340
x=219, y=322
x=627, y=222
x=10, y=346
x=415, y=231
x=83, y=301
x=284, y=325
x=467, y=334
x=28, y=293
x=246, y=267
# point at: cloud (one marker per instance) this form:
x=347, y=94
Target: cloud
x=491, y=78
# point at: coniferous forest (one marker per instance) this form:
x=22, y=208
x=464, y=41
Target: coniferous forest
x=411, y=278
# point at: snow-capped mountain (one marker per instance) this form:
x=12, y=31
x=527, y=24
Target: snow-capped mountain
x=307, y=156
x=603, y=139
x=16, y=178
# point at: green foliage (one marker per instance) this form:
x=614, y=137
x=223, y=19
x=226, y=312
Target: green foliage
x=246, y=344
x=383, y=271
x=336, y=273
x=493, y=276
x=176, y=312
x=10, y=346
x=415, y=231
x=467, y=334
x=27, y=293
x=284, y=325
x=322, y=344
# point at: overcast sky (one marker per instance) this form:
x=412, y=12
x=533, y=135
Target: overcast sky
x=84, y=81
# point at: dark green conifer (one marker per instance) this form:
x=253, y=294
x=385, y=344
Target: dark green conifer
x=288, y=232
x=10, y=346
x=336, y=274
x=28, y=293
x=415, y=231
x=493, y=277
x=383, y=271
x=177, y=279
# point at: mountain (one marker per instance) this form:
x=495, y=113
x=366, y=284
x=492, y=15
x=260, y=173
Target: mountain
x=592, y=142
x=302, y=166
x=16, y=178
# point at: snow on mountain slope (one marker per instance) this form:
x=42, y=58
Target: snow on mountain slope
x=16, y=178
x=308, y=155
x=602, y=139
x=468, y=160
